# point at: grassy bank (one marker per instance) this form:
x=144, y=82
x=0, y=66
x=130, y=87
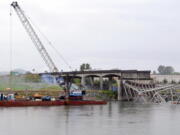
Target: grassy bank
x=102, y=94
x=24, y=83
x=53, y=93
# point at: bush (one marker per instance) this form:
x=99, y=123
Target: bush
x=109, y=94
x=165, y=81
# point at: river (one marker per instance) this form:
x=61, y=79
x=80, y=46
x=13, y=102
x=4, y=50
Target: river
x=115, y=118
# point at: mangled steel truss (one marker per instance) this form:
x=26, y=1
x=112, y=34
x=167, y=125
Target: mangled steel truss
x=149, y=92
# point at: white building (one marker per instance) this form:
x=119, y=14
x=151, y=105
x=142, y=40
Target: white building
x=169, y=78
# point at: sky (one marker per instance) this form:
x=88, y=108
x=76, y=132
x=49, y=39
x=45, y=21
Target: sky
x=108, y=34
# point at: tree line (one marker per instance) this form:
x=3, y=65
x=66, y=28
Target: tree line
x=166, y=70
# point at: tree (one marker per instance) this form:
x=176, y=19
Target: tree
x=165, y=70
x=82, y=67
x=161, y=69
x=29, y=77
x=165, y=81
x=85, y=66
x=88, y=66
x=169, y=70
x=154, y=72
x=173, y=82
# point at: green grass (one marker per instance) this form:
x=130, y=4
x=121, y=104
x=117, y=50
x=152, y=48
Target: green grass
x=29, y=86
x=51, y=88
x=20, y=83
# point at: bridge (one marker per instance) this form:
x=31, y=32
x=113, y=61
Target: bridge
x=132, y=85
x=105, y=75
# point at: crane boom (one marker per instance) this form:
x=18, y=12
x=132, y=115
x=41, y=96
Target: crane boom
x=34, y=37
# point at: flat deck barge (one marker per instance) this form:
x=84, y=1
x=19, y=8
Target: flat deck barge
x=48, y=103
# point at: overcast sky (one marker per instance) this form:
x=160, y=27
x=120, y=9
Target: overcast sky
x=124, y=34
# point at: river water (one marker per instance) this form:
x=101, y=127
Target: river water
x=115, y=118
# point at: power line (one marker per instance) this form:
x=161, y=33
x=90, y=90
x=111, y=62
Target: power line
x=10, y=46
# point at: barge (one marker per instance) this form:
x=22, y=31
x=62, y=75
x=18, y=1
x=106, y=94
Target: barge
x=13, y=100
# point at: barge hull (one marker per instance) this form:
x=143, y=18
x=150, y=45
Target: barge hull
x=48, y=103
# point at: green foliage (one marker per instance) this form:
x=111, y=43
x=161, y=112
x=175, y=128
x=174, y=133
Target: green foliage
x=109, y=94
x=165, y=81
x=32, y=77
x=165, y=70
x=173, y=82
x=19, y=82
x=176, y=73
x=96, y=82
x=51, y=88
x=77, y=81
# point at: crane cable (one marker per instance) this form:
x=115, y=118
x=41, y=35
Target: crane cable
x=50, y=44
x=10, y=46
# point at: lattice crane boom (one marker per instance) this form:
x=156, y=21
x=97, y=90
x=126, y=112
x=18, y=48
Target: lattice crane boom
x=34, y=37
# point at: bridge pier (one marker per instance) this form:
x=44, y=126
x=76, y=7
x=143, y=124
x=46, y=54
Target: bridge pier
x=110, y=83
x=119, y=89
x=101, y=82
x=92, y=82
x=83, y=81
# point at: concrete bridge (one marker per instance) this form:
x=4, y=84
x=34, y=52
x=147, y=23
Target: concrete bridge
x=109, y=75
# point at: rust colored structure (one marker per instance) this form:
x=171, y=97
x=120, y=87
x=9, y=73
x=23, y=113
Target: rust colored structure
x=48, y=103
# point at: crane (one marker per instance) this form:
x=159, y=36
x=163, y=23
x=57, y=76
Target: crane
x=40, y=47
x=34, y=37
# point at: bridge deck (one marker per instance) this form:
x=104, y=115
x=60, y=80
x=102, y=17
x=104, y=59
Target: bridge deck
x=123, y=74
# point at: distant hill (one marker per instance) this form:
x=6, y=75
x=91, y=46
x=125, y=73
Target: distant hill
x=15, y=72
x=4, y=73
x=20, y=71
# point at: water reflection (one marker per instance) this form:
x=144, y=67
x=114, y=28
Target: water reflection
x=112, y=119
